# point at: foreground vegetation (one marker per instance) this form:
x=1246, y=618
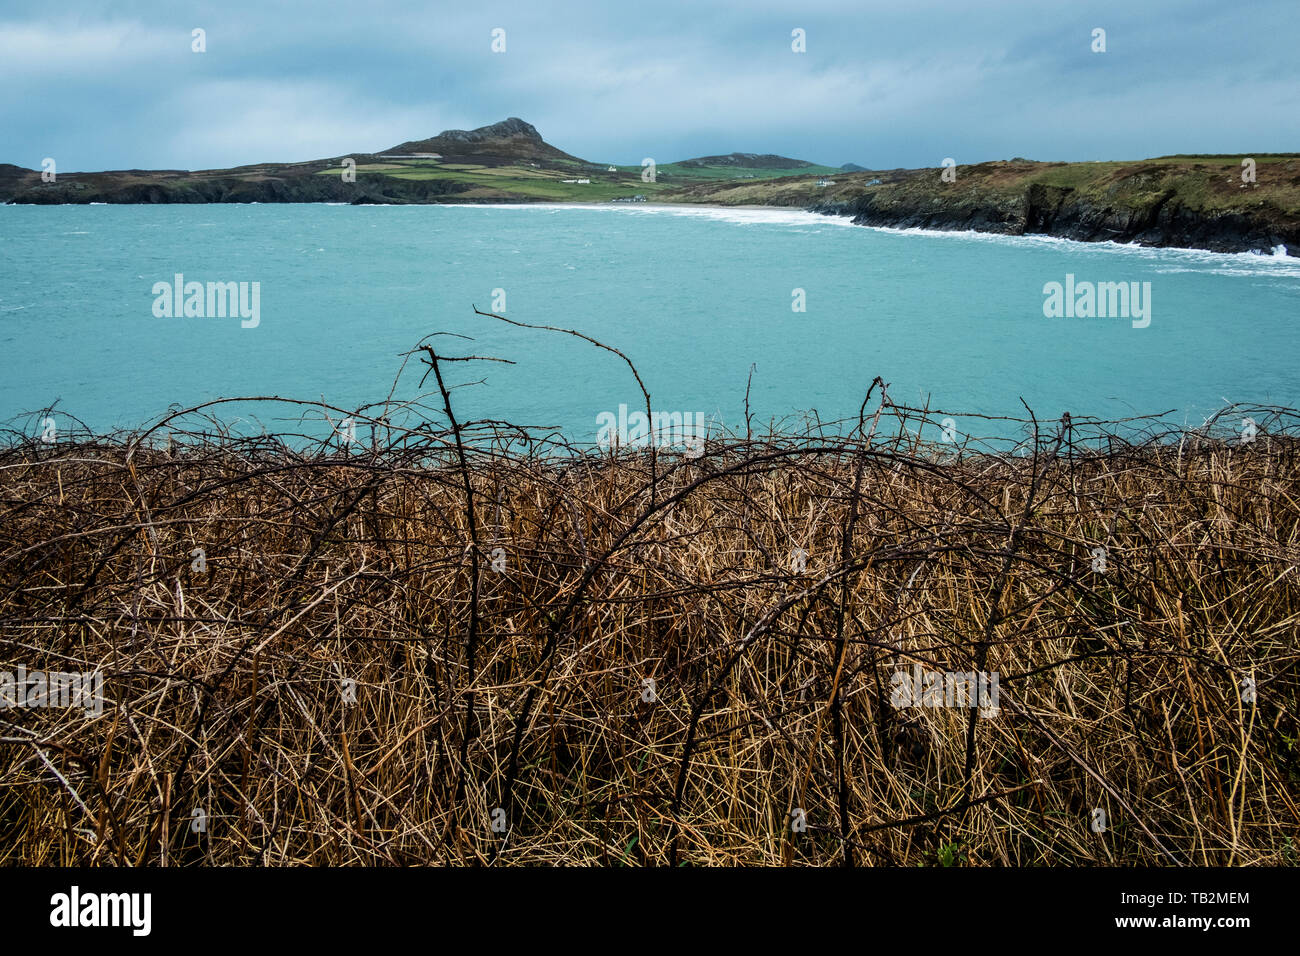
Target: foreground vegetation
x=454, y=643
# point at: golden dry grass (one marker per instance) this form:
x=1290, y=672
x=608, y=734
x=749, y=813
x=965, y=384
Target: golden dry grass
x=522, y=686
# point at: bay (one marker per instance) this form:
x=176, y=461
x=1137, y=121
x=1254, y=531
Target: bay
x=694, y=296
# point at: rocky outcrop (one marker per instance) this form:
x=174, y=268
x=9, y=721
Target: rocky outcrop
x=1151, y=204
x=1162, y=222
x=510, y=141
x=106, y=189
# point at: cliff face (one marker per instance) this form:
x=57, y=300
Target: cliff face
x=1183, y=203
x=1165, y=222
x=201, y=188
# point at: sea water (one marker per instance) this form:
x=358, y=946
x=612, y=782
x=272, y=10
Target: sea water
x=699, y=299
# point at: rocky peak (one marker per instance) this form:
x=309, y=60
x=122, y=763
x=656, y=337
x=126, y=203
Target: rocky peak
x=512, y=128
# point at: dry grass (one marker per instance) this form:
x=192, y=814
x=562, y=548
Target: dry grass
x=522, y=688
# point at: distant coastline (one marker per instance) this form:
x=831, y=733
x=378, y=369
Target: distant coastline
x=1219, y=203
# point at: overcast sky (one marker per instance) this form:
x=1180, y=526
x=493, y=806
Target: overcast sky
x=115, y=85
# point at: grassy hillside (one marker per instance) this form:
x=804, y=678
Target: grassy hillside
x=505, y=162
x=693, y=171
x=1196, y=201
x=510, y=183
x=1184, y=200
x=1208, y=183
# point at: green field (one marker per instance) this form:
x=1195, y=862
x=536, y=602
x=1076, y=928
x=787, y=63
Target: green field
x=682, y=175
x=505, y=182
x=545, y=181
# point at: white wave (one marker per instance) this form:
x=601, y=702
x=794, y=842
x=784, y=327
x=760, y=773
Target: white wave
x=745, y=216
x=740, y=215
x=1276, y=262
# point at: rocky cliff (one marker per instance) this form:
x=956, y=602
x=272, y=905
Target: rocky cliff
x=1194, y=202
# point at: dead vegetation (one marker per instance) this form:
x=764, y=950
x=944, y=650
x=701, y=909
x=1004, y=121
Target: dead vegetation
x=648, y=658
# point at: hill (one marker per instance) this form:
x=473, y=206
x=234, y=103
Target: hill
x=1197, y=201
x=746, y=161
x=508, y=161
x=500, y=144
x=504, y=161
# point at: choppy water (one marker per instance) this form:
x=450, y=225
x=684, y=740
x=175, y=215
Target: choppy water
x=693, y=296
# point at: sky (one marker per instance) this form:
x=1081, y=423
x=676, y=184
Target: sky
x=116, y=85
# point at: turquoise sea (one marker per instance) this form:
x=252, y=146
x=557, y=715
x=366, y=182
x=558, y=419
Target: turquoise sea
x=693, y=296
